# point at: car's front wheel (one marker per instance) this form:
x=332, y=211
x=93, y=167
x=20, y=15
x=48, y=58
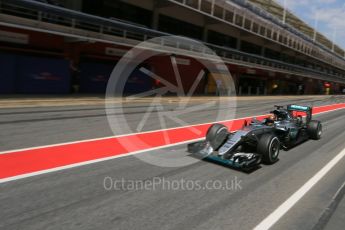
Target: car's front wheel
x=269, y=147
x=216, y=135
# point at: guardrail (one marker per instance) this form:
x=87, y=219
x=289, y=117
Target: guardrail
x=281, y=32
x=288, y=27
x=45, y=13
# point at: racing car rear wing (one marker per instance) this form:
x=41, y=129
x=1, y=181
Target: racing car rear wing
x=306, y=109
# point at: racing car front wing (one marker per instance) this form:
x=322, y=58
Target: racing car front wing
x=239, y=160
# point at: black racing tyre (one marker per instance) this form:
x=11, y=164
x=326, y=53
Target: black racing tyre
x=216, y=135
x=269, y=147
x=314, y=130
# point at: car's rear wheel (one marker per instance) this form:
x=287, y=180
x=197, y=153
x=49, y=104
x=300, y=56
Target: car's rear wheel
x=216, y=135
x=314, y=130
x=269, y=147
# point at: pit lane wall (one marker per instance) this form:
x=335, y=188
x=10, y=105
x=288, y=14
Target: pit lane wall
x=28, y=74
x=48, y=64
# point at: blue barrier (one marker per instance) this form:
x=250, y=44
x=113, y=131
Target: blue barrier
x=138, y=82
x=42, y=75
x=7, y=73
x=94, y=77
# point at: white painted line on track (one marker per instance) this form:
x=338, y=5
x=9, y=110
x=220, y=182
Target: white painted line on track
x=271, y=219
x=130, y=134
x=8, y=179
x=123, y=135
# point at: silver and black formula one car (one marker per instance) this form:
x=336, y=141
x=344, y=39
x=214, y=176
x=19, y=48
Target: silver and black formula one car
x=260, y=141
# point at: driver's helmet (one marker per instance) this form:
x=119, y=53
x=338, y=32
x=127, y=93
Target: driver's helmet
x=282, y=115
x=273, y=117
